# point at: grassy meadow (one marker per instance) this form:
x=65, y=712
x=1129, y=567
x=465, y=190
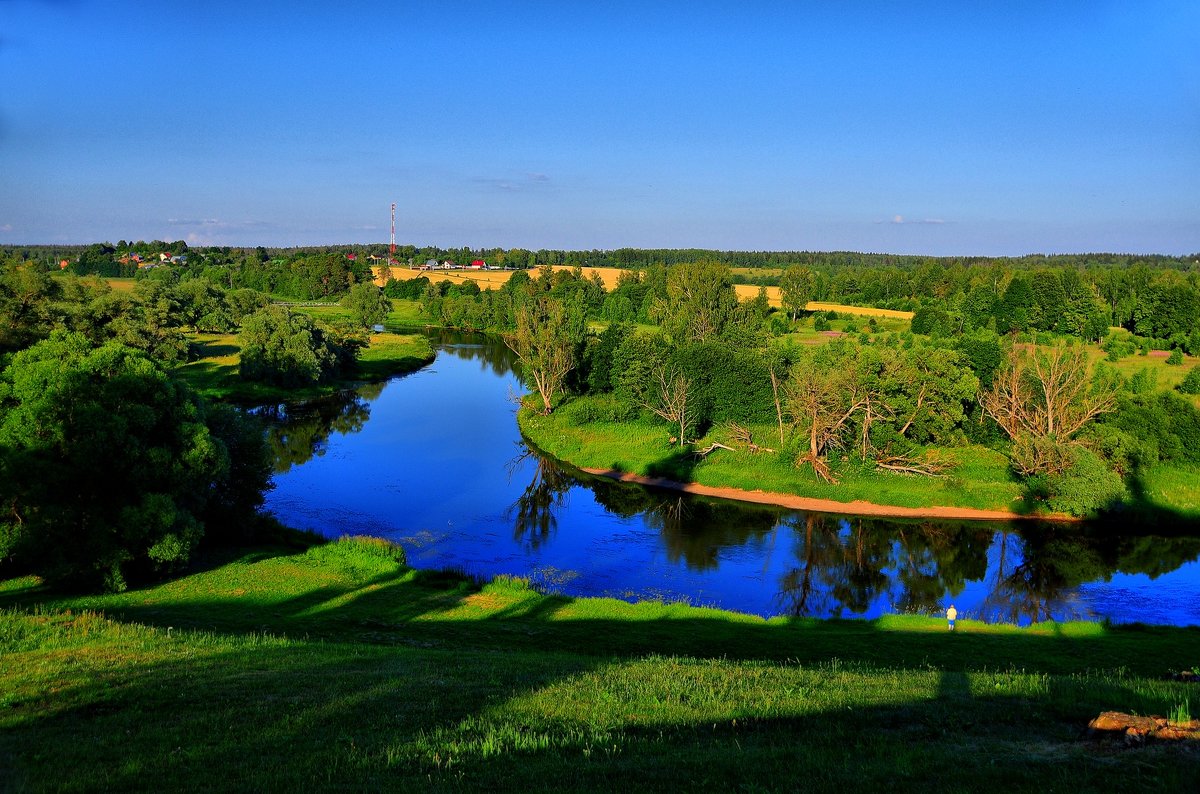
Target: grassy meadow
x=337, y=667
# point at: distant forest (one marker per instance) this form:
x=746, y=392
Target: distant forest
x=1156, y=297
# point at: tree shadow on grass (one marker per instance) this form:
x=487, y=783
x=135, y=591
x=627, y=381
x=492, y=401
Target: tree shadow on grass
x=158, y=712
x=1141, y=514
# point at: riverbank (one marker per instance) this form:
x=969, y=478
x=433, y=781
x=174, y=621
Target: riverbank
x=979, y=487
x=793, y=502
x=338, y=667
x=214, y=374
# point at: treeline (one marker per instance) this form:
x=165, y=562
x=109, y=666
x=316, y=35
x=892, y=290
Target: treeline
x=885, y=401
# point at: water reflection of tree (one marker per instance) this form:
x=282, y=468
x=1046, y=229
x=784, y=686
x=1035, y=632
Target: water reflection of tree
x=297, y=433
x=1037, y=576
x=933, y=558
x=491, y=353
x=818, y=546
x=845, y=565
x=697, y=530
x=534, y=521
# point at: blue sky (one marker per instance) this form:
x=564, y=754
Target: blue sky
x=905, y=127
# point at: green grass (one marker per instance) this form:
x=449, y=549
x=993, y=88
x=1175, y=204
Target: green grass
x=405, y=314
x=1174, y=487
x=338, y=668
x=215, y=372
x=980, y=478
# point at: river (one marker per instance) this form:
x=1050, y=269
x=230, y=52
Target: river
x=434, y=461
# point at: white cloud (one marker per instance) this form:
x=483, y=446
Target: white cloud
x=899, y=220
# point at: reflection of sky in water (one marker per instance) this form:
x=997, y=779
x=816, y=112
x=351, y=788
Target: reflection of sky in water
x=438, y=466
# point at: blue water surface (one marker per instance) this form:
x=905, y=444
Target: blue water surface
x=434, y=461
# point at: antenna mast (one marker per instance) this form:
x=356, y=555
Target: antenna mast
x=392, y=250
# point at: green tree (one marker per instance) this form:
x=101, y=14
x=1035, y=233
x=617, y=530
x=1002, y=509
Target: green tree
x=1014, y=309
x=202, y=305
x=700, y=302
x=286, y=349
x=796, y=287
x=109, y=469
x=26, y=295
x=547, y=341
x=367, y=303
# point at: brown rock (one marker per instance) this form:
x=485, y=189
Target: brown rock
x=1115, y=723
x=1134, y=731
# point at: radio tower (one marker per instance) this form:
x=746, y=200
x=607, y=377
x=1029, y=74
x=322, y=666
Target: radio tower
x=392, y=249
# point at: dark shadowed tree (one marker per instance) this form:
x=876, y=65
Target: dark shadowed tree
x=109, y=469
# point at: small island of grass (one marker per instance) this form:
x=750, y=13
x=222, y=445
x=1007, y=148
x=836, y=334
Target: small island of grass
x=215, y=372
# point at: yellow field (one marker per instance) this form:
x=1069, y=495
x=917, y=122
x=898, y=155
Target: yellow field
x=496, y=278
x=862, y=311
x=121, y=284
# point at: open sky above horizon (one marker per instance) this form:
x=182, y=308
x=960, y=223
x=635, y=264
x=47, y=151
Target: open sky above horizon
x=905, y=127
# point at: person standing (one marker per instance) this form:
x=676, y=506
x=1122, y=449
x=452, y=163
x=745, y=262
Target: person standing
x=951, y=615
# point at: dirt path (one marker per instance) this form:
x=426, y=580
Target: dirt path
x=818, y=505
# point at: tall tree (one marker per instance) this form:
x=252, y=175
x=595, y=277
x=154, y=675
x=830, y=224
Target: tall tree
x=796, y=287
x=547, y=340
x=700, y=302
x=109, y=469
x=1042, y=400
x=367, y=303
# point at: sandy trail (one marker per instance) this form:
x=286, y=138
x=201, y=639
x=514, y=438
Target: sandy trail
x=818, y=505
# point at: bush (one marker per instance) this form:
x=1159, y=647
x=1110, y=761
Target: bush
x=1176, y=358
x=1085, y=488
x=1122, y=451
x=407, y=289
x=596, y=408
x=1164, y=419
x=1191, y=381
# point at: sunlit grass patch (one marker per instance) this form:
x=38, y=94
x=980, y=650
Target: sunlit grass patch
x=1174, y=486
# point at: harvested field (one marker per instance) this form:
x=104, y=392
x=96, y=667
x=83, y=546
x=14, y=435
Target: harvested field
x=496, y=278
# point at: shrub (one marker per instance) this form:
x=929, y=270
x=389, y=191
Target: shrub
x=407, y=289
x=1176, y=358
x=1191, y=381
x=1144, y=381
x=1086, y=487
x=596, y=408
x=1164, y=419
